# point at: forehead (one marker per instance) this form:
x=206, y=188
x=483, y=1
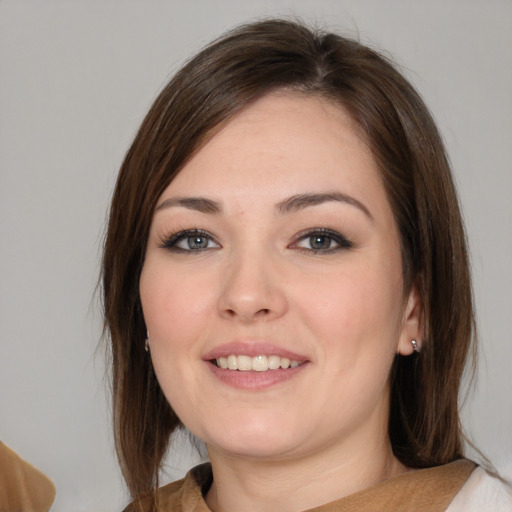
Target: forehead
x=283, y=144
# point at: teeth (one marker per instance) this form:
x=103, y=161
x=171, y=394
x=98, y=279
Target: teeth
x=244, y=363
x=274, y=362
x=233, y=362
x=259, y=363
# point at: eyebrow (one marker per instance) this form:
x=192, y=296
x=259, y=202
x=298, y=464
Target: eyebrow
x=201, y=204
x=291, y=204
x=302, y=201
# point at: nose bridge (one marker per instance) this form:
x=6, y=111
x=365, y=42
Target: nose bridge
x=252, y=288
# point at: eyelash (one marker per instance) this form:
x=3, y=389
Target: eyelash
x=171, y=242
x=342, y=242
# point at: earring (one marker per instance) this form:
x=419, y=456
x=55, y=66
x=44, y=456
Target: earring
x=415, y=346
x=146, y=343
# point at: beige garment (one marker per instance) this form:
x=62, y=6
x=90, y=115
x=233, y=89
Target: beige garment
x=425, y=490
x=23, y=488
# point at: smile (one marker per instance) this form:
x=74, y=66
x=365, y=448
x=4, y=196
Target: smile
x=259, y=363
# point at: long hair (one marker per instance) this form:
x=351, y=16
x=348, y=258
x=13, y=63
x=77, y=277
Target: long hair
x=224, y=78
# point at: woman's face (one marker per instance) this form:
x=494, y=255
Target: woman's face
x=274, y=252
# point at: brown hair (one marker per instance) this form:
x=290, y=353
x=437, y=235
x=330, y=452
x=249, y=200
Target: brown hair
x=210, y=89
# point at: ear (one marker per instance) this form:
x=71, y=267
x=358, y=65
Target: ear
x=412, y=324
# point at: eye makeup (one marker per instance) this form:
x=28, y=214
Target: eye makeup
x=321, y=241
x=189, y=240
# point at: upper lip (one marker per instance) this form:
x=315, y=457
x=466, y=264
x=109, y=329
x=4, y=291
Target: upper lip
x=252, y=348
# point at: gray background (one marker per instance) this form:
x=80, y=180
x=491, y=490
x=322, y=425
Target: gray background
x=77, y=77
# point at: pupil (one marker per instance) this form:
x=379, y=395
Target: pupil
x=320, y=242
x=197, y=242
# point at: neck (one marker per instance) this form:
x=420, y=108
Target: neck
x=299, y=483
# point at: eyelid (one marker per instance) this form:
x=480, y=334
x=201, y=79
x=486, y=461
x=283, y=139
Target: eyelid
x=170, y=241
x=343, y=243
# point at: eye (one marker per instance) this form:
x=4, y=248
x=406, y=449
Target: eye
x=321, y=240
x=190, y=240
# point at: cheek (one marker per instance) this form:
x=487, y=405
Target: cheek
x=177, y=309
x=354, y=311
x=354, y=319
x=176, y=305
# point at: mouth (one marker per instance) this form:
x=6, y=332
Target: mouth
x=254, y=365
x=259, y=363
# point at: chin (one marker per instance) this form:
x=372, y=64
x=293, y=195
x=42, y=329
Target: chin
x=256, y=440
x=255, y=451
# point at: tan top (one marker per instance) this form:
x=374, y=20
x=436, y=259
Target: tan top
x=22, y=486
x=424, y=490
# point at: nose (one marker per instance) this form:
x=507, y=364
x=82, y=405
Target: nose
x=252, y=289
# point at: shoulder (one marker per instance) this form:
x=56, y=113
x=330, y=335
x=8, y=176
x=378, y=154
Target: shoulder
x=180, y=496
x=170, y=494
x=483, y=491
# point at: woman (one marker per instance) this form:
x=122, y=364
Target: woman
x=285, y=274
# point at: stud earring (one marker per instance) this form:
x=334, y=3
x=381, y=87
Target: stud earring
x=415, y=346
x=146, y=343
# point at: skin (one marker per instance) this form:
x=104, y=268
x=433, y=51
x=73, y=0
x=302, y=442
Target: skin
x=322, y=433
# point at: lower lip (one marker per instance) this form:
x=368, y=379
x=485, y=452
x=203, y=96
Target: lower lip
x=252, y=380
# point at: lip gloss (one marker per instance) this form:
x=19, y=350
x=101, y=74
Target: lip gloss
x=252, y=348
x=254, y=380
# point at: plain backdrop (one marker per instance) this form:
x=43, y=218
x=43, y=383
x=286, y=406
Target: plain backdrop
x=76, y=79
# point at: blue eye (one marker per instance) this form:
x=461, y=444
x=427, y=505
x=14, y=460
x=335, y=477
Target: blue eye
x=190, y=240
x=193, y=242
x=322, y=241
